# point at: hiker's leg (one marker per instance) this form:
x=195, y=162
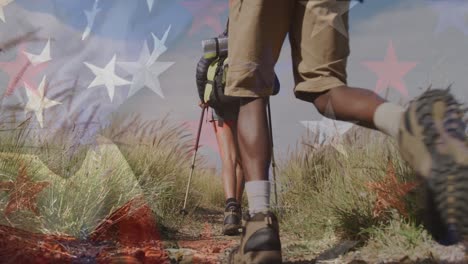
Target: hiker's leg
x=253, y=139
x=227, y=151
x=320, y=52
x=358, y=105
x=257, y=29
x=225, y=128
x=240, y=177
x=255, y=152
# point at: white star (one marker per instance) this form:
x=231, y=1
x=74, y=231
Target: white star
x=90, y=16
x=150, y=4
x=327, y=129
x=330, y=15
x=159, y=45
x=41, y=58
x=146, y=70
x=37, y=103
x=4, y=3
x=106, y=76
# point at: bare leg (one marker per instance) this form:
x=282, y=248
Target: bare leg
x=240, y=180
x=253, y=139
x=348, y=104
x=227, y=149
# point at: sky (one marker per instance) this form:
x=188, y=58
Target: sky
x=140, y=56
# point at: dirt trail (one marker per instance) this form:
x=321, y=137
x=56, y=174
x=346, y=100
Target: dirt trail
x=200, y=241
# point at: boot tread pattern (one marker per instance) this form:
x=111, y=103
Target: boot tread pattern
x=449, y=179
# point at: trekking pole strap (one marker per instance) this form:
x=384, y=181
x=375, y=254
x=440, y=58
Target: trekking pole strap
x=226, y=31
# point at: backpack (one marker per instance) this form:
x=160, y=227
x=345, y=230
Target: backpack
x=211, y=79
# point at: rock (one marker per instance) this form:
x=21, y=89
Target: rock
x=338, y=250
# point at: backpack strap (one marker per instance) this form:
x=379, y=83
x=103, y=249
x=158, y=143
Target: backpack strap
x=218, y=80
x=210, y=82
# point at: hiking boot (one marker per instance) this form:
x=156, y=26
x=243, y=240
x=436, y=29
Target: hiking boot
x=232, y=219
x=260, y=241
x=432, y=139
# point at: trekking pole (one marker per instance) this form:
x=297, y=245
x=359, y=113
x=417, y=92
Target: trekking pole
x=183, y=210
x=273, y=163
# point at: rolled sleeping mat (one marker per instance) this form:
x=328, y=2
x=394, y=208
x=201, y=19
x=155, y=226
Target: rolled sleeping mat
x=215, y=47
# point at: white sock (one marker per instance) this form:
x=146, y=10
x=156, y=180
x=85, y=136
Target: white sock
x=258, y=196
x=387, y=118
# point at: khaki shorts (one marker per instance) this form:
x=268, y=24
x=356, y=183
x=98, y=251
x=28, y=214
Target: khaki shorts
x=318, y=33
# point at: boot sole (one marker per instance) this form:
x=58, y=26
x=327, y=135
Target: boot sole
x=231, y=230
x=448, y=180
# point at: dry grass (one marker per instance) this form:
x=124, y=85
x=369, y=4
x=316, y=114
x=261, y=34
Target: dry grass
x=325, y=198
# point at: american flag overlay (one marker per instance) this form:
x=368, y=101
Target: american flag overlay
x=69, y=69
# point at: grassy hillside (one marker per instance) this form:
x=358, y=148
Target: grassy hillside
x=85, y=180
